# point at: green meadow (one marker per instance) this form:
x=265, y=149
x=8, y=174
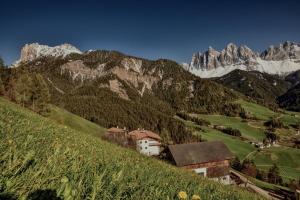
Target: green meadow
x=40, y=156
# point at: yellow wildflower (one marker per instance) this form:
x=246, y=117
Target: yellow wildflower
x=196, y=197
x=182, y=195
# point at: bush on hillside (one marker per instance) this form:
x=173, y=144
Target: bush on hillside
x=274, y=123
x=273, y=175
x=249, y=168
x=233, y=132
x=271, y=136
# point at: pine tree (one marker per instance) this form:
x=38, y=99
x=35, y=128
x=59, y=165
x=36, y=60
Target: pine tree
x=40, y=95
x=273, y=175
x=23, y=90
x=1, y=62
x=2, y=90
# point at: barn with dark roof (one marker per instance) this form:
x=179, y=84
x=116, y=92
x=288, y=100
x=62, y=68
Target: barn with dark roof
x=208, y=159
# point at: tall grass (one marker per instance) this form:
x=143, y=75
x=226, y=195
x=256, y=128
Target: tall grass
x=40, y=157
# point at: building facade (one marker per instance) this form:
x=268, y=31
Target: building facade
x=146, y=142
x=207, y=159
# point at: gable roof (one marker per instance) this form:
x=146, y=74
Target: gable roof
x=140, y=134
x=115, y=130
x=202, y=152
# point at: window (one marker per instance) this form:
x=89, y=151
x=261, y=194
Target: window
x=141, y=142
x=201, y=174
x=146, y=141
x=146, y=147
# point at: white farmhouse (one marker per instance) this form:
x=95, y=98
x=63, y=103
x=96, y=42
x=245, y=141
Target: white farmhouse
x=146, y=142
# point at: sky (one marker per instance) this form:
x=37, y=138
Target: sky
x=147, y=28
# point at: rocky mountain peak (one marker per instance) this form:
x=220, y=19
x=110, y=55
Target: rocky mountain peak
x=230, y=55
x=33, y=51
x=281, y=59
x=286, y=50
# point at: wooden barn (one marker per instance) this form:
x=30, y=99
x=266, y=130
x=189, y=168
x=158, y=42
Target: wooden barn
x=117, y=135
x=146, y=142
x=208, y=159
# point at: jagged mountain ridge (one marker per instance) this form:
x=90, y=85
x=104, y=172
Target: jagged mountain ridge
x=275, y=60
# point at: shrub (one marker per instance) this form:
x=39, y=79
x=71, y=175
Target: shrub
x=273, y=175
x=233, y=132
x=274, y=123
x=236, y=164
x=271, y=136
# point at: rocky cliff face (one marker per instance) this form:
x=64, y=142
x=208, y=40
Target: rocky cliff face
x=276, y=60
x=287, y=50
x=33, y=51
x=213, y=59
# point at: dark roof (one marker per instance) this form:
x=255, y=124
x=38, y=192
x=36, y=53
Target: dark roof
x=203, y=152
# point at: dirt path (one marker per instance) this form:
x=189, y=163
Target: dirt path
x=250, y=185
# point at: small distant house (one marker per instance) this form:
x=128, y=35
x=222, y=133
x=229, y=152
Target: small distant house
x=208, y=159
x=117, y=135
x=146, y=142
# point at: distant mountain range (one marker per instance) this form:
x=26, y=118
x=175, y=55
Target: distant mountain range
x=258, y=76
x=280, y=60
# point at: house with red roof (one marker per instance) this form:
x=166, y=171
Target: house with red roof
x=145, y=142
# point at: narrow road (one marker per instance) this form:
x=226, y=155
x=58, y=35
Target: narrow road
x=250, y=185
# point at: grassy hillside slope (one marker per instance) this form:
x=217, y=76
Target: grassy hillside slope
x=39, y=157
x=66, y=118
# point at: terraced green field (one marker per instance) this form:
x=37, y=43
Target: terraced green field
x=247, y=131
x=40, y=157
x=260, y=112
x=287, y=159
x=263, y=113
x=237, y=147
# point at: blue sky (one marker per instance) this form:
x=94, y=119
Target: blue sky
x=150, y=29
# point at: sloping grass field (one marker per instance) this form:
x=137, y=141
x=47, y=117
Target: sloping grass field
x=39, y=157
x=263, y=113
x=260, y=112
x=287, y=159
x=247, y=131
x=66, y=118
x=237, y=147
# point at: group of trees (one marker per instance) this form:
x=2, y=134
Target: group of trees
x=27, y=89
x=232, y=131
x=30, y=91
x=274, y=123
x=1, y=82
x=196, y=120
x=271, y=137
x=249, y=168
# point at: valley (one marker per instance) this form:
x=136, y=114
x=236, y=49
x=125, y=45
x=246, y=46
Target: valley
x=252, y=131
